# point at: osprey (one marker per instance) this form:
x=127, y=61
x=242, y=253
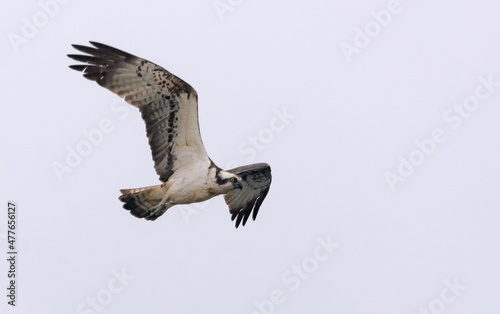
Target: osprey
x=169, y=107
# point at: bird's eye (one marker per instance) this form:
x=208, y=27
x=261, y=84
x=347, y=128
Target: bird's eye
x=232, y=180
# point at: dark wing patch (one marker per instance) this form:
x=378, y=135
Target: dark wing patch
x=256, y=181
x=156, y=92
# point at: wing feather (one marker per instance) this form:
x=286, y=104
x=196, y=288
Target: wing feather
x=256, y=181
x=168, y=105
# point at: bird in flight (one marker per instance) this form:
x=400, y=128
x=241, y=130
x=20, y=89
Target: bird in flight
x=169, y=107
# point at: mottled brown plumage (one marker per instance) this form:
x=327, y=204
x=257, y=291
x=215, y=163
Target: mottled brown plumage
x=169, y=108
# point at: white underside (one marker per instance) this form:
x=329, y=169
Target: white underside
x=192, y=184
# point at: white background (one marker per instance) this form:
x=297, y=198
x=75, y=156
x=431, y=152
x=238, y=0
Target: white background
x=353, y=121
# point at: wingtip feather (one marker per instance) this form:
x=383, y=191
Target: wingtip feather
x=78, y=67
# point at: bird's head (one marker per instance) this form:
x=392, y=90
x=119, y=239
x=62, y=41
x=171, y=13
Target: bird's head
x=228, y=179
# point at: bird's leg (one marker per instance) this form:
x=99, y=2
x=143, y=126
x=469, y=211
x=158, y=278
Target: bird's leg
x=157, y=210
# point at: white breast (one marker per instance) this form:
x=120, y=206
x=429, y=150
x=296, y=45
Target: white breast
x=191, y=184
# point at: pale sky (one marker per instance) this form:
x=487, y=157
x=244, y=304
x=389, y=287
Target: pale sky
x=380, y=120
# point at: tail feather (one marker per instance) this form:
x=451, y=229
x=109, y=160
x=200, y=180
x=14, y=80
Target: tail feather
x=144, y=202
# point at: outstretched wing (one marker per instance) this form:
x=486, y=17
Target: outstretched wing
x=168, y=105
x=256, y=180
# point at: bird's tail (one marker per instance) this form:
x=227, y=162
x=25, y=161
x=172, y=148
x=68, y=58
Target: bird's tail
x=145, y=202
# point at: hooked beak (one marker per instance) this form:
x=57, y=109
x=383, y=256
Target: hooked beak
x=238, y=185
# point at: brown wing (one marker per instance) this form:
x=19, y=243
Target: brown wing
x=168, y=105
x=256, y=181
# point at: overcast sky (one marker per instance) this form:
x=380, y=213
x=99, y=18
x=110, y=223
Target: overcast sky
x=380, y=120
